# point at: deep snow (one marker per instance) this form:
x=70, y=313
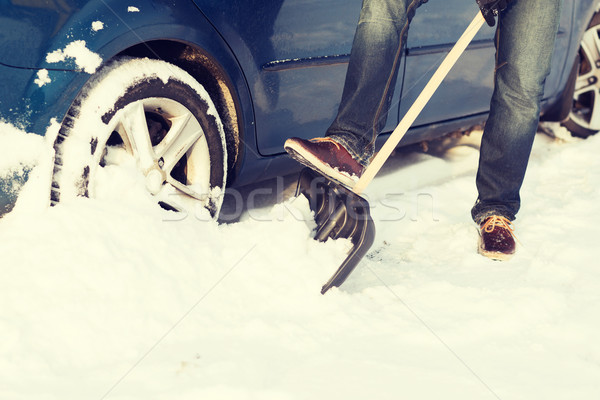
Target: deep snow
x=115, y=298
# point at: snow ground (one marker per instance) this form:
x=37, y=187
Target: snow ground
x=114, y=298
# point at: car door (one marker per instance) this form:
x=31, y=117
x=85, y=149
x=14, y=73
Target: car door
x=294, y=55
x=466, y=91
x=468, y=88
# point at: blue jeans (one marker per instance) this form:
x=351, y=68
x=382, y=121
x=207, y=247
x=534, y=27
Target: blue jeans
x=524, y=45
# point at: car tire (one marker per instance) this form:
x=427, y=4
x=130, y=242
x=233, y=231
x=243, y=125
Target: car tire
x=159, y=114
x=584, y=117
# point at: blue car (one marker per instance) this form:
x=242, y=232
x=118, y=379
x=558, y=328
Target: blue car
x=204, y=93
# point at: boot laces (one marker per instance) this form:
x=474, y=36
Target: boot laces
x=498, y=221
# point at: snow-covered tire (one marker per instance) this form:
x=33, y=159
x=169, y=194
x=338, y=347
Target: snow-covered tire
x=584, y=117
x=159, y=114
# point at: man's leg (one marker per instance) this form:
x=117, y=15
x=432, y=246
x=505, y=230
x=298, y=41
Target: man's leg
x=371, y=76
x=525, y=43
x=376, y=51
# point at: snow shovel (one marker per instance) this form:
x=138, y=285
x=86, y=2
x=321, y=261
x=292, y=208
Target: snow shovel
x=343, y=213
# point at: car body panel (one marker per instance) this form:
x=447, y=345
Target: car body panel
x=468, y=87
x=294, y=55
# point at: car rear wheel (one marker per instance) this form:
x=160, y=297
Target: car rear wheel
x=584, y=117
x=158, y=114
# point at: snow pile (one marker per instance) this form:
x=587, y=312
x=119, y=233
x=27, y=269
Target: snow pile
x=20, y=152
x=18, y=149
x=115, y=298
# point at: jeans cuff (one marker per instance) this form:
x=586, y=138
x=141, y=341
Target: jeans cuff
x=479, y=216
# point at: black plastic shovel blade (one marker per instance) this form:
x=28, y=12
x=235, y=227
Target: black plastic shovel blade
x=339, y=213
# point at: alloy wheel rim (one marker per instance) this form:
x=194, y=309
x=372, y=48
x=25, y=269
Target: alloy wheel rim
x=586, y=101
x=169, y=148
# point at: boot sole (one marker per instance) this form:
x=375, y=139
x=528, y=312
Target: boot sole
x=319, y=166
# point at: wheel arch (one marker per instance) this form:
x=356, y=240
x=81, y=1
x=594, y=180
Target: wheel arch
x=209, y=73
x=182, y=36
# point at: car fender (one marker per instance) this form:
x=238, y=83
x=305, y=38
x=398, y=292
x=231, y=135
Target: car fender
x=153, y=20
x=560, y=102
x=583, y=11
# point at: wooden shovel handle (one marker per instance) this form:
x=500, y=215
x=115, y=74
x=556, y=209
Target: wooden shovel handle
x=414, y=111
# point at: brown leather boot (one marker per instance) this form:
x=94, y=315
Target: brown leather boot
x=327, y=157
x=496, y=238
